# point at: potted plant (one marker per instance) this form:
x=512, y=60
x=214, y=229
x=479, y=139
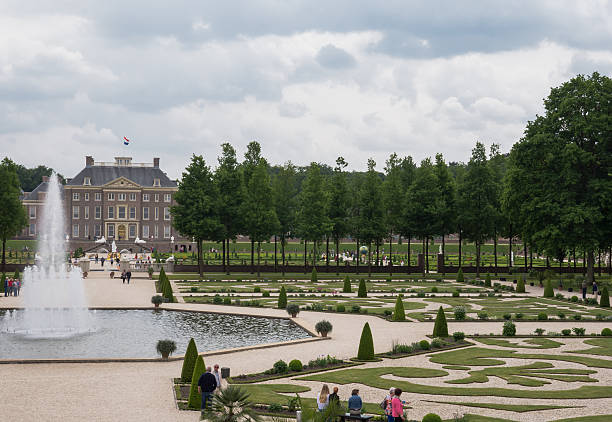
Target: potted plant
x=323, y=327
x=150, y=270
x=293, y=310
x=157, y=300
x=165, y=348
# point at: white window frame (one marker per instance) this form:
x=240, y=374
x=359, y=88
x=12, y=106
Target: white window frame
x=111, y=212
x=97, y=230
x=87, y=181
x=167, y=197
x=111, y=196
x=130, y=213
x=157, y=197
x=30, y=213
x=86, y=213
x=98, y=212
x=32, y=229
x=124, y=208
x=86, y=231
x=132, y=196
x=156, y=213
x=75, y=229
x=108, y=230
x=121, y=197
x=98, y=196
x=166, y=213
x=156, y=231
x=156, y=183
x=86, y=196
x=132, y=235
x=145, y=197
x=167, y=232
x=76, y=212
x=145, y=213
x=75, y=196
x=145, y=232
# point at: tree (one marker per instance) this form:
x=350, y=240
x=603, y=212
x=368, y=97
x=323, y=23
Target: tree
x=252, y=158
x=30, y=178
x=362, y=291
x=496, y=165
x=520, y=286
x=406, y=225
x=232, y=404
x=440, y=326
x=477, y=201
x=604, y=302
x=446, y=210
x=562, y=170
x=12, y=213
x=347, y=285
x=366, y=344
x=189, y=362
x=399, y=314
x=196, y=214
x=195, y=398
x=228, y=182
x=259, y=214
x=393, y=192
x=285, y=204
x=313, y=222
x=548, y=290
x=338, y=210
x=282, y=298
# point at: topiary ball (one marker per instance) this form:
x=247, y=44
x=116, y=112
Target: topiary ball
x=606, y=332
x=432, y=417
x=295, y=365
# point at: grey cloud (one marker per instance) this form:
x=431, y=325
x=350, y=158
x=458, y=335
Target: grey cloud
x=333, y=57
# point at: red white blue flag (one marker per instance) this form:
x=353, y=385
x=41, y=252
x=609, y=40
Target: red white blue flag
x=126, y=141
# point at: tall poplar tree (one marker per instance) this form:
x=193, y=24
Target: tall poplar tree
x=12, y=213
x=284, y=188
x=339, y=204
x=252, y=158
x=447, y=211
x=371, y=214
x=393, y=192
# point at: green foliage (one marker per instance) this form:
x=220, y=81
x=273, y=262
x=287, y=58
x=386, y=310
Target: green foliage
x=282, y=298
x=280, y=367
x=424, y=345
x=460, y=278
x=313, y=275
x=483, y=315
x=604, y=301
x=520, y=286
x=509, y=329
x=366, y=344
x=340, y=308
x=228, y=182
x=232, y=404
x=189, y=362
x=566, y=332
x=195, y=398
x=548, y=290
x=440, y=326
x=458, y=335
x=165, y=347
x=459, y=312
x=488, y=280
x=323, y=326
x=432, y=417
x=399, y=314
x=12, y=213
x=579, y=331
x=347, y=285
x=606, y=332
x=362, y=292
x=157, y=300
x=542, y=316
x=295, y=365
x=293, y=309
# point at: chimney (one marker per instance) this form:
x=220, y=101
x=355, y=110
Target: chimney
x=156, y=162
x=89, y=161
x=45, y=179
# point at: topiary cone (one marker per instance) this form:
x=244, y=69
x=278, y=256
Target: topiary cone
x=366, y=344
x=189, y=362
x=282, y=298
x=347, y=285
x=520, y=286
x=440, y=327
x=460, y=276
x=548, y=290
x=362, y=292
x=604, y=301
x=399, y=314
x=488, y=280
x=195, y=398
x=313, y=275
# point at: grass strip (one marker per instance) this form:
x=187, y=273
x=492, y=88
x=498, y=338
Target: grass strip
x=520, y=408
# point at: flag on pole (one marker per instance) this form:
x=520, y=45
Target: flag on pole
x=126, y=141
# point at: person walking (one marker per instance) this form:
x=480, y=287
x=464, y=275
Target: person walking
x=102, y=262
x=18, y=286
x=323, y=398
x=206, y=386
x=123, y=277
x=10, y=287
x=5, y=286
x=217, y=375
x=397, y=408
x=594, y=289
x=584, y=290
x=129, y=276
x=387, y=407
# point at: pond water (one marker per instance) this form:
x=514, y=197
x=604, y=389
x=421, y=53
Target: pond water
x=134, y=334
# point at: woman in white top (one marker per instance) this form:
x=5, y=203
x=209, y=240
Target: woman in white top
x=323, y=398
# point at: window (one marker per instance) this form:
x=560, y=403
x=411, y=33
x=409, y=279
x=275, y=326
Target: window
x=111, y=212
x=156, y=213
x=145, y=213
x=98, y=230
x=98, y=212
x=156, y=231
x=132, y=196
x=75, y=212
x=98, y=196
x=157, y=197
x=87, y=181
x=132, y=230
x=110, y=230
x=75, y=196
x=32, y=210
x=86, y=232
x=75, y=230
x=145, y=232
x=132, y=213
x=86, y=196
x=86, y=212
x=166, y=232
x=111, y=196
x=166, y=213
x=166, y=197
x=121, y=197
x=32, y=229
x=145, y=197
x=120, y=212
x=156, y=183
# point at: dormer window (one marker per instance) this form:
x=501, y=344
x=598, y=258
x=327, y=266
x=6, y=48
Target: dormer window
x=87, y=181
x=156, y=183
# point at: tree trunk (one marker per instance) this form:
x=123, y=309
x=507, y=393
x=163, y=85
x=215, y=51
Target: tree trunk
x=510, y=253
x=423, y=252
x=200, y=263
x=477, y=259
x=275, y=255
x=427, y=254
x=460, y=242
x=584, y=263
x=369, y=259
x=337, y=255
x=283, y=253
x=443, y=256
x=495, y=251
x=223, y=253
x=258, y=259
x=377, y=253
x=314, y=253
x=525, y=253
x=358, y=257
x=390, y=254
x=327, y=252
x=590, y=274
x=305, y=255
x=252, y=256
x=409, y=258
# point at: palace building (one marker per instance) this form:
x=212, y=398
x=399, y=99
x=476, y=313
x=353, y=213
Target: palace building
x=119, y=201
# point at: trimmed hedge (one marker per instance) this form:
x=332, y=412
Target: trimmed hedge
x=432, y=417
x=366, y=344
x=399, y=314
x=460, y=277
x=440, y=327
x=195, y=398
x=189, y=362
x=313, y=276
x=548, y=290
x=362, y=292
x=488, y=280
x=347, y=285
x=282, y=298
x=520, y=286
x=604, y=301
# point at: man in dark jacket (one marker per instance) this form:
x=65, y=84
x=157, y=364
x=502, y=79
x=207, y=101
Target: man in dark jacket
x=128, y=275
x=206, y=386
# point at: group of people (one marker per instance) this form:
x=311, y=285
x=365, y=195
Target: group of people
x=584, y=290
x=126, y=275
x=208, y=383
x=12, y=286
x=392, y=404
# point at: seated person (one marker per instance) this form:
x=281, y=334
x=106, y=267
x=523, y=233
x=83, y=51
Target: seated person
x=354, y=403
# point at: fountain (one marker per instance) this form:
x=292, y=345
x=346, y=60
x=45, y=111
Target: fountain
x=53, y=293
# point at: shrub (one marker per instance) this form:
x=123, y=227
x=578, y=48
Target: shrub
x=460, y=278
x=323, y=327
x=437, y=343
x=458, y=335
x=189, y=362
x=227, y=301
x=257, y=289
x=295, y=365
x=542, y=316
x=157, y=300
x=347, y=285
x=366, y=344
x=265, y=294
x=520, y=286
x=575, y=298
x=293, y=309
x=399, y=314
x=577, y=317
x=282, y=298
x=280, y=367
x=340, y=308
x=455, y=293
x=579, y=331
x=561, y=315
x=539, y=331
x=355, y=309
x=566, y=332
x=166, y=348
x=483, y=315
x=388, y=312
x=434, y=289
x=362, y=292
x=195, y=398
x=313, y=275
x=424, y=345
x=606, y=332
x=519, y=315
x=509, y=329
x=398, y=348
x=432, y=417
x=507, y=316
x=421, y=294
x=459, y=312
x=604, y=301
x=275, y=408
x=440, y=326
x=548, y=290
x=488, y=280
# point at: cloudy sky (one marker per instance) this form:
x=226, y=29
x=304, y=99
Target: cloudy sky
x=310, y=80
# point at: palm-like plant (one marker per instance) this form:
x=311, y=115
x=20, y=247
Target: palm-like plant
x=232, y=405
